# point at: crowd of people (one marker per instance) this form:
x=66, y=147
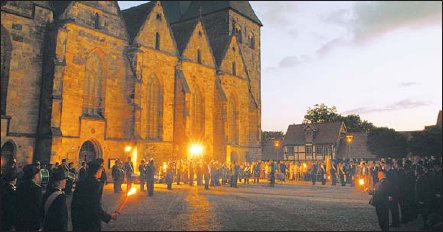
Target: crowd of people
x=403, y=188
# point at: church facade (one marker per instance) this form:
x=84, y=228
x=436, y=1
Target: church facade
x=83, y=79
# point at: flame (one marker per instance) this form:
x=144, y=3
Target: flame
x=132, y=191
x=304, y=165
x=134, y=159
x=361, y=182
x=196, y=150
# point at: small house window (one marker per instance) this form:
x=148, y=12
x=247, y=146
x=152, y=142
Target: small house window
x=157, y=41
x=199, y=56
x=309, y=150
x=234, y=71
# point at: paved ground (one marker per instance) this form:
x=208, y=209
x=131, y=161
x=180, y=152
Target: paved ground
x=249, y=207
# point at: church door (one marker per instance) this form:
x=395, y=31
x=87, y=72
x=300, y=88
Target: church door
x=89, y=152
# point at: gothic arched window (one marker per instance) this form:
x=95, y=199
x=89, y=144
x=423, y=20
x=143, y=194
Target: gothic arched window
x=198, y=113
x=234, y=69
x=154, y=109
x=93, y=102
x=97, y=21
x=233, y=120
x=157, y=41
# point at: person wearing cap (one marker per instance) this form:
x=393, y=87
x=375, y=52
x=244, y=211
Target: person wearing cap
x=142, y=170
x=129, y=170
x=82, y=172
x=8, y=200
x=55, y=209
x=29, y=200
x=118, y=175
x=150, y=172
x=381, y=198
x=86, y=210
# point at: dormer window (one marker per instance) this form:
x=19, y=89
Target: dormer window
x=97, y=21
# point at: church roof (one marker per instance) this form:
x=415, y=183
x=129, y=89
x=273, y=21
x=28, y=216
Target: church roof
x=136, y=16
x=175, y=9
x=182, y=34
x=207, y=7
x=324, y=133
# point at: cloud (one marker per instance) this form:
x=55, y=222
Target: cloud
x=275, y=13
x=328, y=46
x=372, y=19
x=408, y=84
x=401, y=105
x=292, y=61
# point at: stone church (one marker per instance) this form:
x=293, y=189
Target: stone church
x=84, y=79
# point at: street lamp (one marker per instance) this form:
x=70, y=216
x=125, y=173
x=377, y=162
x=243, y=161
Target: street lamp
x=276, y=145
x=349, y=139
x=196, y=150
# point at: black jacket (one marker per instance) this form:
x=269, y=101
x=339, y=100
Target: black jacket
x=57, y=215
x=8, y=206
x=382, y=193
x=29, y=206
x=86, y=210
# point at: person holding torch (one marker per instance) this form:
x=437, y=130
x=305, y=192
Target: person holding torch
x=86, y=210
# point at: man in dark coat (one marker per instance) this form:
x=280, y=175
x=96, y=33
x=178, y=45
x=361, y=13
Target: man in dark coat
x=272, y=174
x=381, y=198
x=142, y=170
x=129, y=170
x=314, y=171
x=86, y=210
x=82, y=171
x=29, y=200
x=150, y=180
x=206, y=174
x=70, y=182
x=54, y=204
x=118, y=175
x=8, y=200
x=392, y=176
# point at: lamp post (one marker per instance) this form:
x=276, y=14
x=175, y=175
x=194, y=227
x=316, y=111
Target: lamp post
x=349, y=139
x=276, y=145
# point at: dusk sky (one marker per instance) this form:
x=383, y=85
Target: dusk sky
x=381, y=60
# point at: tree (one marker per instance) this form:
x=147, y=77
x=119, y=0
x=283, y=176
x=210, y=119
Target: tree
x=427, y=142
x=321, y=114
x=267, y=135
x=384, y=142
x=354, y=123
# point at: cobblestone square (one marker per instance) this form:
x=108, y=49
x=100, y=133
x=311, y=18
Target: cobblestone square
x=287, y=206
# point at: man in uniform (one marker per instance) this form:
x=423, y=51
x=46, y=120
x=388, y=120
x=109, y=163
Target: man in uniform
x=8, y=199
x=380, y=200
x=314, y=171
x=54, y=204
x=29, y=200
x=272, y=173
x=86, y=210
x=142, y=170
x=82, y=172
x=129, y=170
x=69, y=182
x=118, y=175
x=150, y=172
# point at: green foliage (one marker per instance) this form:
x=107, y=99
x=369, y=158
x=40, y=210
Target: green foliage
x=322, y=114
x=427, y=142
x=384, y=142
x=266, y=135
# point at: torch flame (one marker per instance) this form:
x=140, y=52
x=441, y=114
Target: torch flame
x=361, y=181
x=132, y=191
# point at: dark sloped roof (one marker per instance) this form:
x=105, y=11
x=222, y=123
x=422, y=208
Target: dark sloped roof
x=207, y=7
x=219, y=47
x=174, y=10
x=323, y=133
x=357, y=149
x=182, y=33
x=182, y=79
x=59, y=7
x=135, y=17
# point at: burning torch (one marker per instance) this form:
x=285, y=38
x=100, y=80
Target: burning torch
x=131, y=192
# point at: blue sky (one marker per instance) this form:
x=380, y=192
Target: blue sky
x=381, y=60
